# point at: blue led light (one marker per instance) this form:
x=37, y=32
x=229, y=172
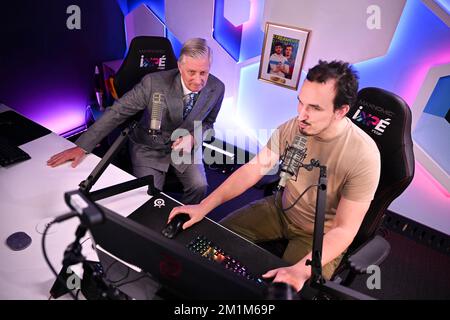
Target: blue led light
x=227, y=35
x=156, y=6
x=444, y=4
x=176, y=44
x=439, y=101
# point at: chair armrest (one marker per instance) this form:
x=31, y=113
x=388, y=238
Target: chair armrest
x=373, y=252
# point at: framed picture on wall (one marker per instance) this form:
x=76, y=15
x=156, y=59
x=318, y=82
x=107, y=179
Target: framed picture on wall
x=283, y=54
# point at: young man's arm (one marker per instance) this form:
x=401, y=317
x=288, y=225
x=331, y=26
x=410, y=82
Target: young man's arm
x=349, y=216
x=241, y=180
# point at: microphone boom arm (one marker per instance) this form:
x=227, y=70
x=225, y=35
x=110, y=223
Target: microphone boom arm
x=317, y=286
x=87, y=184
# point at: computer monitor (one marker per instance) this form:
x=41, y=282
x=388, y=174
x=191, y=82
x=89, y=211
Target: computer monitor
x=184, y=272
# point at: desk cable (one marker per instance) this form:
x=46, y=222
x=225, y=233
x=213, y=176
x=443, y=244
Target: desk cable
x=44, y=251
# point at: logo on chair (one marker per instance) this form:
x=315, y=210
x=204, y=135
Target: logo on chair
x=377, y=124
x=149, y=62
x=159, y=203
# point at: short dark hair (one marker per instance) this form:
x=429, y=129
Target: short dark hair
x=278, y=44
x=346, y=80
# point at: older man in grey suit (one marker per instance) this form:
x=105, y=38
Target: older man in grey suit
x=191, y=98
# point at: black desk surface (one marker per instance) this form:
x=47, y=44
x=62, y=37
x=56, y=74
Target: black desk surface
x=19, y=130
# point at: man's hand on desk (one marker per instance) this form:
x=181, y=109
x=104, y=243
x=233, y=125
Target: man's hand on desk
x=295, y=275
x=196, y=213
x=75, y=154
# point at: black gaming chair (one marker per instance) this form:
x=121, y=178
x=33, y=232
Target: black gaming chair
x=146, y=54
x=386, y=117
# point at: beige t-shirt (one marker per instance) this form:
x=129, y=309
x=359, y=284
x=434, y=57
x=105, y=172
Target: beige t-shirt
x=353, y=170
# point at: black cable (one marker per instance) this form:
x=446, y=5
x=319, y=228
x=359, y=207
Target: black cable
x=134, y=280
x=44, y=251
x=295, y=202
x=121, y=279
x=109, y=267
x=81, y=244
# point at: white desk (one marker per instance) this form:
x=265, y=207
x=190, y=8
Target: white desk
x=31, y=194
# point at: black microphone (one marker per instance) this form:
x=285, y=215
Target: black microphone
x=156, y=116
x=292, y=160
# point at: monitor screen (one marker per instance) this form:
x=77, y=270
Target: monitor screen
x=178, y=264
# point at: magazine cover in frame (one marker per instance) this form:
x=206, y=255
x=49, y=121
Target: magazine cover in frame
x=282, y=55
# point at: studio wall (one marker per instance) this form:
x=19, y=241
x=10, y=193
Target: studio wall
x=47, y=69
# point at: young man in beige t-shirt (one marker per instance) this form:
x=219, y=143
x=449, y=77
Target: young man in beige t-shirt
x=353, y=165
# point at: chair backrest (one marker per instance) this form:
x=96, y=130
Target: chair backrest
x=146, y=54
x=386, y=118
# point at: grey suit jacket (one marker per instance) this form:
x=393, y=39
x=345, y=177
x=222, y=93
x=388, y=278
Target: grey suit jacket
x=156, y=153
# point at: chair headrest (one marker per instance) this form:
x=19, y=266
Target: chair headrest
x=146, y=54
